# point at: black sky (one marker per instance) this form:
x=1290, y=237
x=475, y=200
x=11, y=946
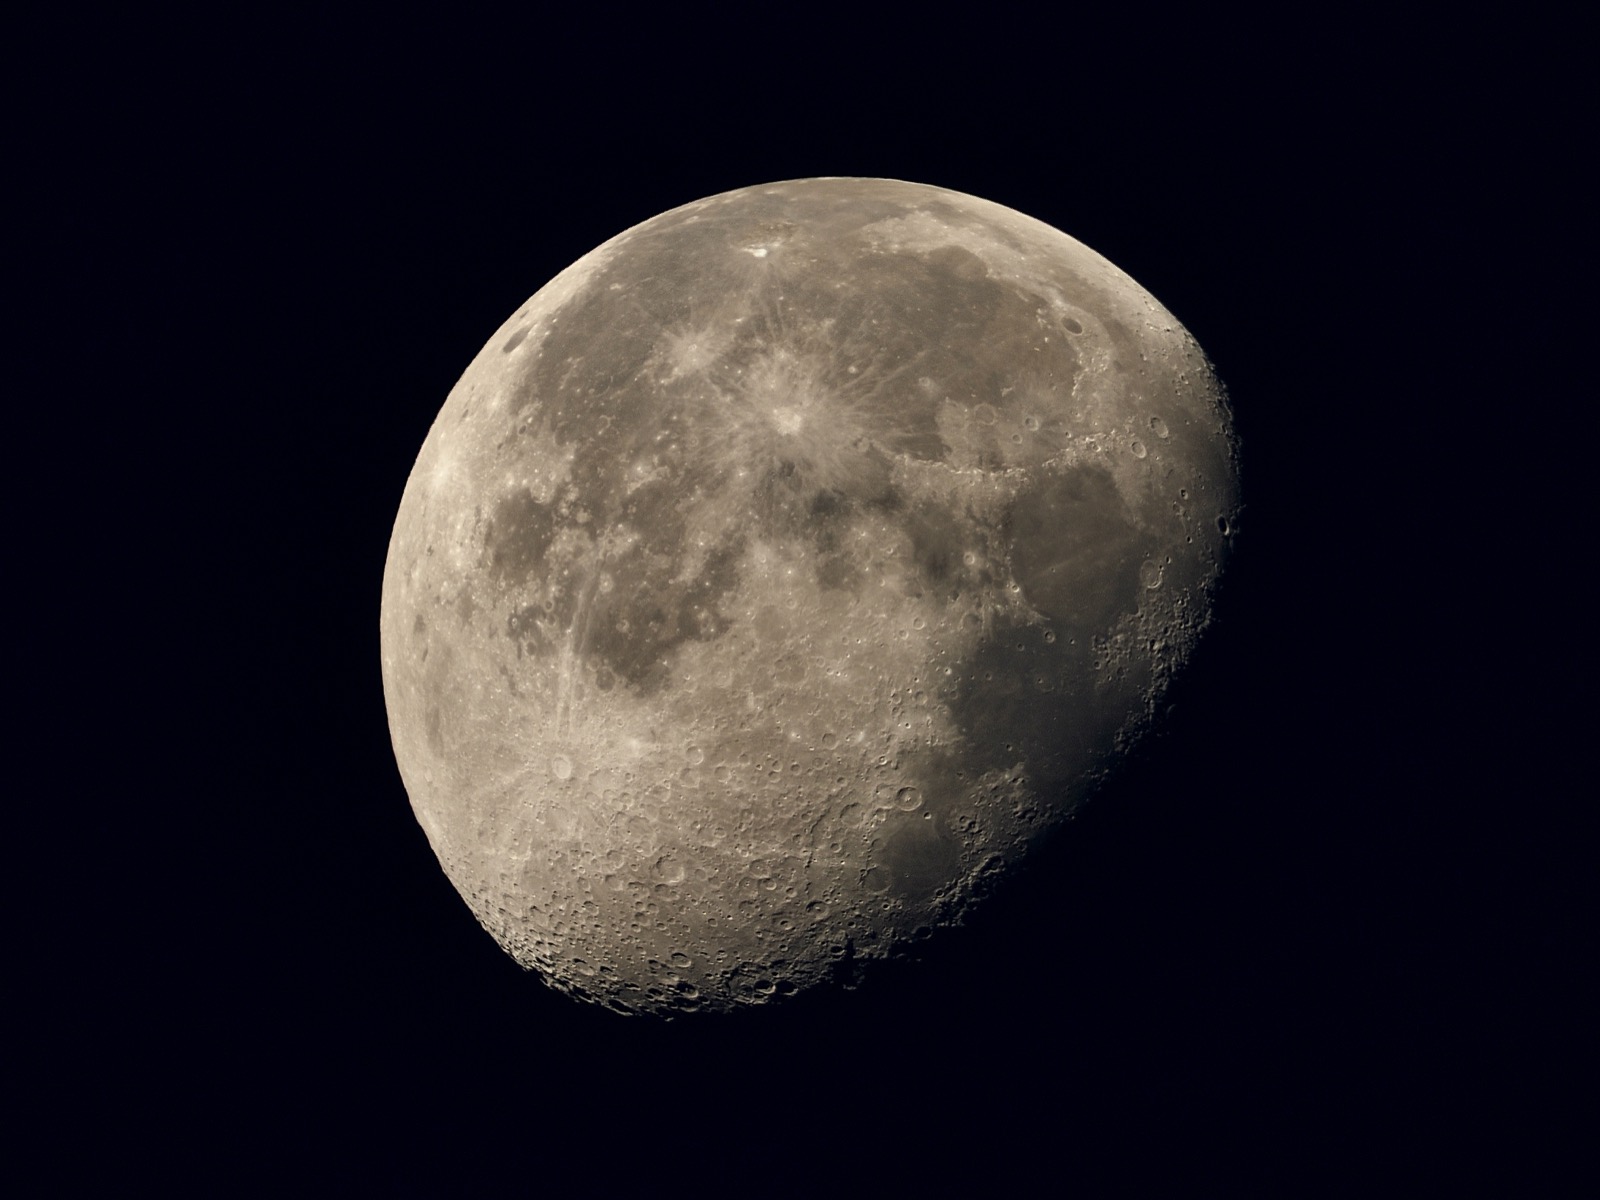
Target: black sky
x=1282, y=947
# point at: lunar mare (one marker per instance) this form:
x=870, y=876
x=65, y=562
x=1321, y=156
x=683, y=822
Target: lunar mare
x=781, y=571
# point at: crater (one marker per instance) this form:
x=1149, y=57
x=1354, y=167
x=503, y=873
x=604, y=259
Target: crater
x=1076, y=551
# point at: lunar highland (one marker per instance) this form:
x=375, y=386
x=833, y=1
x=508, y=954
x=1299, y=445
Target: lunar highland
x=780, y=572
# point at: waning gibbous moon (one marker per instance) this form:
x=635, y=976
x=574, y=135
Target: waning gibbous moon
x=781, y=571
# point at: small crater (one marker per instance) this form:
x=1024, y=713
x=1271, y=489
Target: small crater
x=668, y=870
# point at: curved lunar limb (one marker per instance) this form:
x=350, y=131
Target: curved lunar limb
x=781, y=571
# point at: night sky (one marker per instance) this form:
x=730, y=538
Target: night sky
x=1281, y=948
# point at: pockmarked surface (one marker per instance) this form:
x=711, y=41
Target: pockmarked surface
x=779, y=572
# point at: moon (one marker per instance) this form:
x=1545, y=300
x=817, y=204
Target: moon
x=782, y=571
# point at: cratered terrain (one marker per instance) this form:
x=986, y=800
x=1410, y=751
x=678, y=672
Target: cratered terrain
x=780, y=572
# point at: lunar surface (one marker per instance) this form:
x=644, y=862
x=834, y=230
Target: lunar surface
x=781, y=571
